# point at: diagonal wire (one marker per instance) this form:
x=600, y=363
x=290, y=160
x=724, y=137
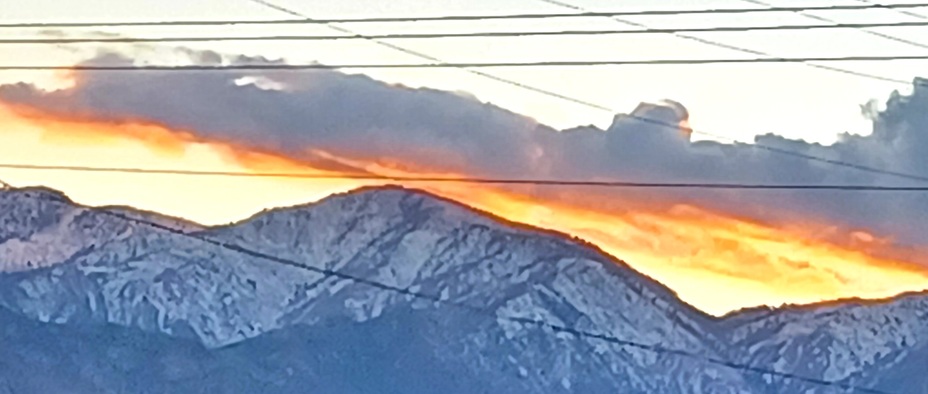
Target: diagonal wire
x=610, y=110
x=773, y=149
x=898, y=7
x=760, y=146
x=674, y=126
x=723, y=45
x=478, y=34
x=301, y=20
x=330, y=273
x=476, y=180
x=466, y=65
x=901, y=11
x=428, y=57
x=870, y=32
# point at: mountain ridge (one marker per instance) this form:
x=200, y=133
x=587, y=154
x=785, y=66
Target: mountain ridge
x=173, y=284
x=579, y=241
x=838, y=302
x=127, y=274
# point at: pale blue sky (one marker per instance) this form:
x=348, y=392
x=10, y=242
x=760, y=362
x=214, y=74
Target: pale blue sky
x=733, y=100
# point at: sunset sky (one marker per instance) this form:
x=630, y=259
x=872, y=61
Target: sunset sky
x=731, y=100
x=716, y=258
x=715, y=261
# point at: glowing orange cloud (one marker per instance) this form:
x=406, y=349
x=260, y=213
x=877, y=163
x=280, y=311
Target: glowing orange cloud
x=716, y=261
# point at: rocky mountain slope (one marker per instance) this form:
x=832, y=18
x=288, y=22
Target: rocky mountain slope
x=879, y=345
x=396, y=290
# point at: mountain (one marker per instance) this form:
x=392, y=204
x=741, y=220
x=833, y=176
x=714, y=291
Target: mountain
x=881, y=345
x=394, y=290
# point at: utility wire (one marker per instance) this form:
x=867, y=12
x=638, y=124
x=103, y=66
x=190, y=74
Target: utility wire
x=469, y=180
x=329, y=273
x=482, y=34
x=535, y=89
x=751, y=51
x=787, y=152
x=450, y=18
x=859, y=167
x=845, y=164
x=870, y=32
x=854, y=166
x=901, y=11
x=723, y=45
x=425, y=56
x=548, y=63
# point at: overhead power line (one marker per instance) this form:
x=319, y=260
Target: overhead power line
x=479, y=310
x=451, y=18
x=787, y=152
x=482, y=34
x=825, y=67
x=870, y=32
x=425, y=56
x=467, y=180
x=588, y=104
x=772, y=149
x=511, y=82
x=549, y=63
x=900, y=11
x=723, y=45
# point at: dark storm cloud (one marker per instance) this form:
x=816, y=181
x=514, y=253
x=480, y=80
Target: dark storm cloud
x=319, y=109
x=357, y=115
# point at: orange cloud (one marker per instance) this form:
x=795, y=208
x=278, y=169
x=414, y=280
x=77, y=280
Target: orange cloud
x=714, y=260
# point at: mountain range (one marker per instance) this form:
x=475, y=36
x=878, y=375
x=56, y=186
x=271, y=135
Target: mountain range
x=394, y=290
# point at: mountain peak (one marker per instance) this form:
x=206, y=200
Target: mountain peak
x=402, y=238
x=420, y=273
x=34, y=192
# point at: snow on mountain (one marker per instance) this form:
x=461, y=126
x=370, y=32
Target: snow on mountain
x=478, y=275
x=856, y=342
x=34, y=233
x=111, y=270
x=415, y=241
x=97, y=265
x=41, y=227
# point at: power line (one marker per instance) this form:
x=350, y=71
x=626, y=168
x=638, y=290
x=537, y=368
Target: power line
x=773, y=149
x=425, y=56
x=589, y=104
x=451, y=18
x=901, y=11
x=483, y=34
x=693, y=38
x=723, y=45
x=329, y=273
x=854, y=166
x=870, y=32
x=469, y=180
x=559, y=95
x=549, y=63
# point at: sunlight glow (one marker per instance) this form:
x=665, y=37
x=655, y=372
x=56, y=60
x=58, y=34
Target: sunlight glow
x=714, y=261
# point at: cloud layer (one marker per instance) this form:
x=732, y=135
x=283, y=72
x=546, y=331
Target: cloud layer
x=357, y=116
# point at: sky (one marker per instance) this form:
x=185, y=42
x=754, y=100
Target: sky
x=716, y=261
x=829, y=103
x=720, y=251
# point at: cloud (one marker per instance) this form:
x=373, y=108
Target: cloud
x=318, y=109
x=358, y=116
